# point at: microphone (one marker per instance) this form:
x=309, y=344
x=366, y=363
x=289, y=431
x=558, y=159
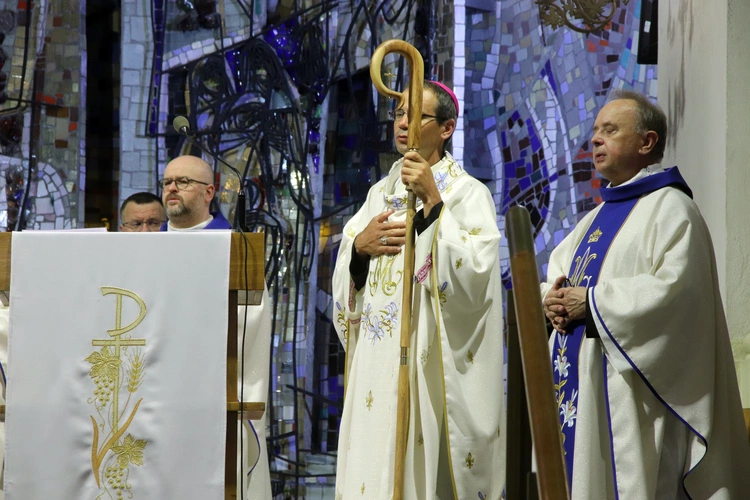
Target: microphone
x=182, y=126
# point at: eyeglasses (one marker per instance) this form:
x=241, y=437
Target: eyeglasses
x=136, y=225
x=399, y=114
x=181, y=182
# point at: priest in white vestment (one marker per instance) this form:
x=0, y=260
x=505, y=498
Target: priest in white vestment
x=456, y=429
x=645, y=382
x=187, y=191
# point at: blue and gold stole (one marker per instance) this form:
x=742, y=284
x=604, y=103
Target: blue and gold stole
x=584, y=271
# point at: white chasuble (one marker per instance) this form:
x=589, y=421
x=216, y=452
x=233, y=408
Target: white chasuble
x=456, y=440
x=117, y=366
x=658, y=413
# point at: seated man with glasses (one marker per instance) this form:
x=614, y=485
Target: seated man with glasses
x=141, y=212
x=187, y=191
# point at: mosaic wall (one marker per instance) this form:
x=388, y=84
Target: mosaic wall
x=41, y=126
x=532, y=94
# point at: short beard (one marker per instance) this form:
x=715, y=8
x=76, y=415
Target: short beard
x=177, y=211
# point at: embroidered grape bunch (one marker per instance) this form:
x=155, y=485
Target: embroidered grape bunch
x=116, y=479
x=104, y=370
x=103, y=392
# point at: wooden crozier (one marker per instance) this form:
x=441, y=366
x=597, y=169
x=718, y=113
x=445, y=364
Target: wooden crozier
x=240, y=292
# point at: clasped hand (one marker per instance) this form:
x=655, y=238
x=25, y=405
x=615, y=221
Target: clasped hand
x=563, y=305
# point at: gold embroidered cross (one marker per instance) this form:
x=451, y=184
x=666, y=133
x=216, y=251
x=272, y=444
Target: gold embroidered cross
x=363, y=488
x=471, y=357
x=117, y=340
x=469, y=461
x=369, y=399
x=459, y=263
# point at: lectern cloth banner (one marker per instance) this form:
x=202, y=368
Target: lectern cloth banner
x=117, y=366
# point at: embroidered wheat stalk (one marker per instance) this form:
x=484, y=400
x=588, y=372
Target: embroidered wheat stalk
x=135, y=373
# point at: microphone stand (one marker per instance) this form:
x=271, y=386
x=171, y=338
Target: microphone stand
x=183, y=128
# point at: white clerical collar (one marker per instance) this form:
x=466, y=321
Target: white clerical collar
x=194, y=228
x=652, y=169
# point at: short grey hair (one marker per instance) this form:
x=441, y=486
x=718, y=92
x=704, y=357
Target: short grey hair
x=649, y=117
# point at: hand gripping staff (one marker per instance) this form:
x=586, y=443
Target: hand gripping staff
x=416, y=71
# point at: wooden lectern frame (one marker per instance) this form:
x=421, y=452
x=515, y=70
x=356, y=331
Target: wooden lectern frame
x=247, y=259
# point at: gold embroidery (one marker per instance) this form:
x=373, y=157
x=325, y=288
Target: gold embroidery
x=475, y=231
x=448, y=189
x=363, y=488
x=464, y=238
x=351, y=233
x=341, y=317
x=471, y=357
x=421, y=439
x=369, y=399
x=595, y=236
x=107, y=366
x=498, y=431
x=454, y=169
x=459, y=263
x=130, y=452
x=469, y=461
x=579, y=273
x=383, y=274
x=442, y=295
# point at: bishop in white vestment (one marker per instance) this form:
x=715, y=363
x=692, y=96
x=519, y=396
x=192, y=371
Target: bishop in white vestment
x=456, y=427
x=644, y=376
